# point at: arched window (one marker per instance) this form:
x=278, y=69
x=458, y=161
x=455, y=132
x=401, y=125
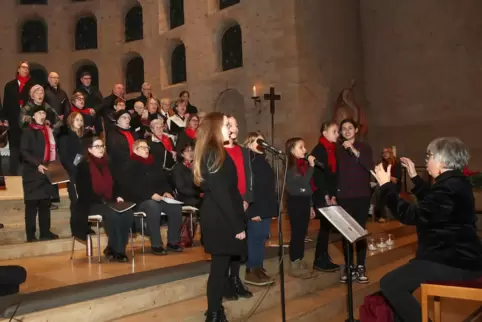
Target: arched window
x=178, y=65
x=232, y=48
x=134, y=74
x=86, y=33
x=34, y=37
x=227, y=3
x=33, y=1
x=92, y=69
x=176, y=13
x=38, y=73
x=133, y=27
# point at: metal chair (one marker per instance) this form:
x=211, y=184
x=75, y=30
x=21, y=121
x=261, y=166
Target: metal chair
x=142, y=216
x=189, y=210
x=97, y=219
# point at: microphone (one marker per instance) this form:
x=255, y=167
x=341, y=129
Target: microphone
x=317, y=163
x=348, y=150
x=268, y=146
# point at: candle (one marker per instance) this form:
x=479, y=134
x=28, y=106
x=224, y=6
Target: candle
x=254, y=91
x=394, y=150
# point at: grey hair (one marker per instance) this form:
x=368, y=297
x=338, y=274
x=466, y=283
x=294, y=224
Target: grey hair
x=156, y=122
x=450, y=151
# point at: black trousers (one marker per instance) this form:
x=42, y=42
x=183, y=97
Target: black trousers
x=42, y=207
x=299, y=212
x=116, y=225
x=217, y=280
x=10, y=279
x=398, y=285
x=358, y=209
x=325, y=227
x=72, y=195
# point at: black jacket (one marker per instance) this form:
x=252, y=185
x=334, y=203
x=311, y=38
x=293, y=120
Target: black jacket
x=187, y=192
x=58, y=100
x=93, y=97
x=222, y=210
x=119, y=152
x=264, y=188
x=162, y=158
x=445, y=219
x=142, y=179
x=69, y=145
x=325, y=180
x=182, y=140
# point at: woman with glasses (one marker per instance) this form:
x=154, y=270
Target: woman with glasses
x=188, y=136
x=95, y=190
x=182, y=176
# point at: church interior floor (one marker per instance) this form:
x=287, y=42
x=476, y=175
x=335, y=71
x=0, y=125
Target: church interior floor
x=57, y=270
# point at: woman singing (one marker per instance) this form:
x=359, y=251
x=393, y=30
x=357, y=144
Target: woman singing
x=448, y=246
x=223, y=219
x=325, y=181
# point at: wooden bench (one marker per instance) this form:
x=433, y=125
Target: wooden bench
x=470, y=290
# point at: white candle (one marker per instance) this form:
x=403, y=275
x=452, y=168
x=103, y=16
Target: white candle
x=254, y=91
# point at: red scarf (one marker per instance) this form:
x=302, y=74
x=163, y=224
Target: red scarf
x=49, y=149
x=101, y=177
x=191, y=133
x=302, y=165
x=166, y=141
x=330, y=150
x=85, y=111
x=147, y=161
x=22, y=81
x=130, y=139
x=188, y=164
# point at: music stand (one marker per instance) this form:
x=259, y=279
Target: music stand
x=352, y=232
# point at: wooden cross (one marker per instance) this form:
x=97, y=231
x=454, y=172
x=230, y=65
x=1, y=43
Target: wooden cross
x=272, y=98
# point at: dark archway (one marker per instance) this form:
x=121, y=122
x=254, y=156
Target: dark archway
x=133, y=24
x=33, y=37
x=134, y=74
x=232, y=48
x=86, y=33
x=38, y=73
x=227, y=3
x=232, y=102
x=33, y=1
x=178, y=64
x=91, y=68
x=176, y=13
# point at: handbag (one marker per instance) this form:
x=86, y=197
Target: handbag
x=375, y=309
x=187, y=235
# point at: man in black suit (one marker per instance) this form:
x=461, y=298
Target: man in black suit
x=56, y=97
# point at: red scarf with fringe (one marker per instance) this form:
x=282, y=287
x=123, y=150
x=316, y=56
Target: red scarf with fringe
x=191, y=133
x=85, y=111
x=22, y=81
x=130, y=139
x=330, y=151
x=49, y=149
x=101, y=177
x=166, y=141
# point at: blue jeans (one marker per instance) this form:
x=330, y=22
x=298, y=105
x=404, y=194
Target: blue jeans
x=257, y=234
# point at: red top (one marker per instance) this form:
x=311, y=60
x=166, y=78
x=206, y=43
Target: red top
x=237, y=155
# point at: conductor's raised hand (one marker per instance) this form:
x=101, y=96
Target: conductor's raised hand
x=241, y=235
x=382, y=175
x=410, y=166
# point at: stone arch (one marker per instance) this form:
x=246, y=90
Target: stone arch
x=178, y=64
x=34, y=36
x=232, y=48
x=176, y=13
x=85, y=65
x=134, y=24
x=86, y=32
x=231, y=102
x=38, y=73
x=223, y=4
x=133, y=72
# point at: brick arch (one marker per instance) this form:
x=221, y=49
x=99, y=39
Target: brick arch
x=220, y=30
x=33, y=35
x=85, y=65
x=133, y=67
x=85, y=31
x=231, y=102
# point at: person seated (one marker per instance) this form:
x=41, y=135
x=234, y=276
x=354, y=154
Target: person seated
x=153, y=107
x=10, y=279
x=189, y=134
x=177, y=123
x=119, y=143
x=161, y=145
x=95, y=190
x=91, y=122
x=182, y=177
x=139, y=119
x=147, y=186
x=37, y=149
x=448, y=246
x=119, y=105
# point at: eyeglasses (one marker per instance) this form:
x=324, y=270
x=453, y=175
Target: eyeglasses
x=428, y=155
x=99, y=146
x=143, y=147
x=24, y=67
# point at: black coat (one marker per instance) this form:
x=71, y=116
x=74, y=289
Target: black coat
x=445, y=219
x=70, y=144
x=11, y=108
x=119, y=152
x=58, y=100
x=325, y=180
x=183, y=180
x=93, y=97
x=36, y=186
x=162, y=158
x=141, y=180
x=265, y=204
x=182, y=140
x=222, y=210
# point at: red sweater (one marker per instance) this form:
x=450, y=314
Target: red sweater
x=237, y=155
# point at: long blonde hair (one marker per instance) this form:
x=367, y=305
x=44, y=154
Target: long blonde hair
x=209, y=140
x=251, y=137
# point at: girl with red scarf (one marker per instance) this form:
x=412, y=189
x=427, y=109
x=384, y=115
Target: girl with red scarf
x=37, y=148
x=300, y=188
x=325, y=182
x=188, y=136
x=96, y=189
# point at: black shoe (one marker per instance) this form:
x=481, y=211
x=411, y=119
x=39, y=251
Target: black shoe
x=109, y=253
x=1, y=226
x=362, y=277
x=49, y=236
x=222, y=315
x=214, y=317
x=176, y=248
x=158, y=250
x=241, y=290
x=121, y=258
x=230, y=293
x=32, y=239
x=324, y=264
x=54, y=207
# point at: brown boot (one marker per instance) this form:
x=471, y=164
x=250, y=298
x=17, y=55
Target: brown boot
x=299, y=269
x=257, y=276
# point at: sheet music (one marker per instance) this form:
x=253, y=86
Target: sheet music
x=344, y=223
x=172, y=201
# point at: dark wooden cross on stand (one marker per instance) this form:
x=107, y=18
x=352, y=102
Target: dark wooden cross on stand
x=272, y=98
